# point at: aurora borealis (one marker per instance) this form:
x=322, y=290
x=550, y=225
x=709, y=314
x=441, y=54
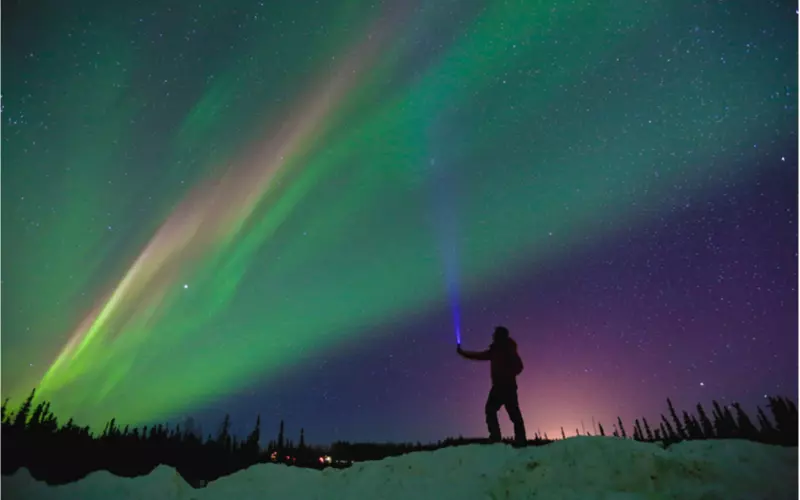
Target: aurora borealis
x=276, y=208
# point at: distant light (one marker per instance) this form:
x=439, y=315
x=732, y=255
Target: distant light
x=702, y=384
x=185, y=285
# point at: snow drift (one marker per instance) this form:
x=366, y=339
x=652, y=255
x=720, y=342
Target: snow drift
x=575, y=468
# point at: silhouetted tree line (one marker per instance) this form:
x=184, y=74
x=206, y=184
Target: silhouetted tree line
x=59, y=454
x=725, y=422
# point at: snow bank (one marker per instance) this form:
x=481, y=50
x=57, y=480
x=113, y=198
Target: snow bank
x=576, y=468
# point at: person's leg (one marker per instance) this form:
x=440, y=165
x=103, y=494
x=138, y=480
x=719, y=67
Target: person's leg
x=493, y=404
x=515, y=415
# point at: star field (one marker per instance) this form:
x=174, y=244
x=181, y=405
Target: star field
x=288, y=209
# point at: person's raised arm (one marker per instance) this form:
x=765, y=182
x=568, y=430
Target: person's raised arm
x=474, y=355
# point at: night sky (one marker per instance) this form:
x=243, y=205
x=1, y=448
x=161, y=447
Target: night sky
x=291, y=208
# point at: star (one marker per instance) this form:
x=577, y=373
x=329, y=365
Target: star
x=662, y=252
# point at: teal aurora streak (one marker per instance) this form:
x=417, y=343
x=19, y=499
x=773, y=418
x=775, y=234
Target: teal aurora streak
x=552, y=124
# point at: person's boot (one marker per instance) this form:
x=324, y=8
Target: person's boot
x=494, y=428
x=520, y=436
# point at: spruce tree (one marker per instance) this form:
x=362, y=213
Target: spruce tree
x=648, y=432
x=730, y=422
x=697, y=427
x=621, y=428
x=784, y=413
x=705, y=424
x=251, y=447
x=746, y=427
x=224, y=436
x=720, y=425
x=21, y=417
x=638, y=434
x=679, y=429
x=766, y=426
x=689, y=427
x=49, y=421
x=669, y=434
x=36, y=417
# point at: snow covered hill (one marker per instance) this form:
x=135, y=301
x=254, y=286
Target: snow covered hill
x=576, y=468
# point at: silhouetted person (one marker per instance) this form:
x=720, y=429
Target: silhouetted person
x=505, y=366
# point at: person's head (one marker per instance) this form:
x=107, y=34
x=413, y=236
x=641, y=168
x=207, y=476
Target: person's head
x=500, y=334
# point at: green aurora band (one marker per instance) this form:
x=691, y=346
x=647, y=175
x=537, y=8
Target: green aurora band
x=337, y=239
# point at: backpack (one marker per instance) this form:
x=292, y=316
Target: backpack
x=516, y=364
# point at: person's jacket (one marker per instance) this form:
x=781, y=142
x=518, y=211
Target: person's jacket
x=505, y=361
